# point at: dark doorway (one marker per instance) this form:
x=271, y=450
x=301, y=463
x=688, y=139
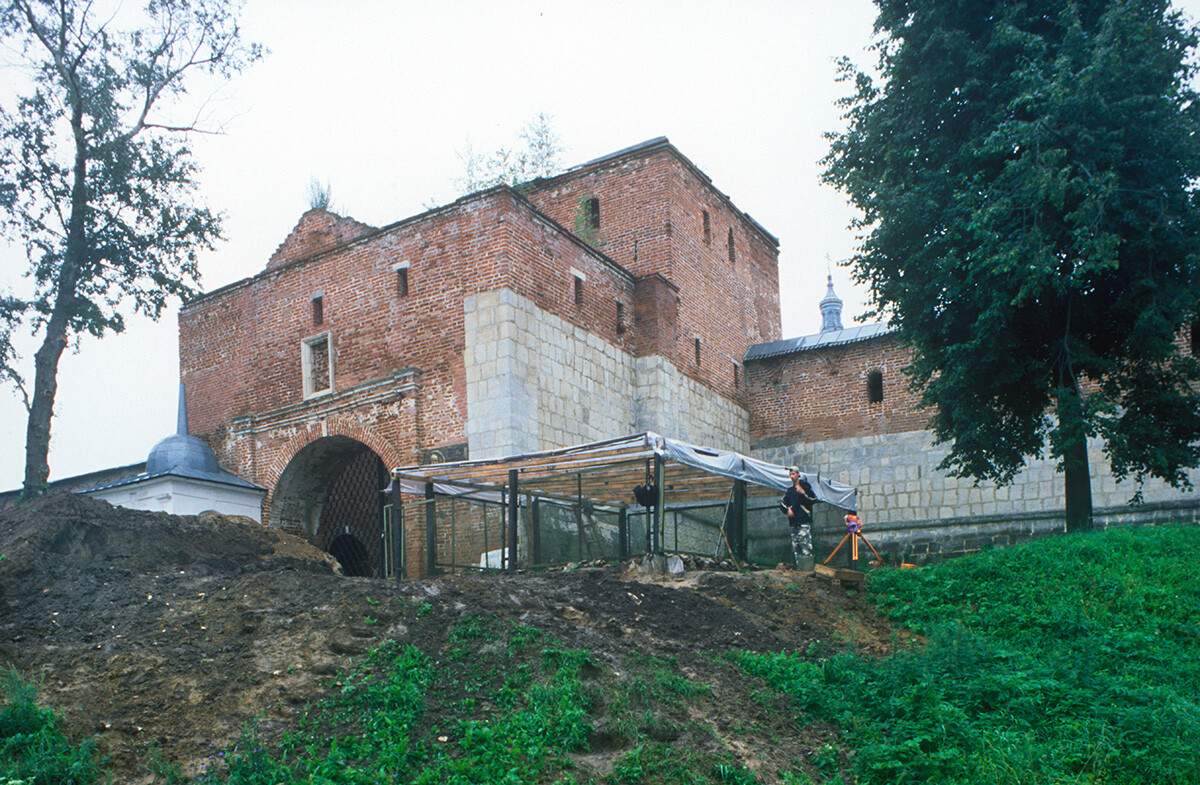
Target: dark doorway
x=352, y=555
x=331, y=492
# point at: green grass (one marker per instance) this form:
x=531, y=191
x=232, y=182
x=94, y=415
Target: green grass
x=1074, y=659
x=505, y=714
x=505, y=704
x=33, y=751
x=1071, y=660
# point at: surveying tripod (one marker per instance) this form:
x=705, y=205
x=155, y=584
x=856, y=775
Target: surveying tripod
x=854, y=534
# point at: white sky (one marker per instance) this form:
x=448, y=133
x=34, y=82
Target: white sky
x=376, y=96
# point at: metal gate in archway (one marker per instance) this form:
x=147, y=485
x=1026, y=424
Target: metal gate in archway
x=352, y=525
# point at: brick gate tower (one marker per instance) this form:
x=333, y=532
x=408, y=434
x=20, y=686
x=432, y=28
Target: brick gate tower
x=620, y=296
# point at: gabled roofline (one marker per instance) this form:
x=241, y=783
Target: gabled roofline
x=517, y=196
x=856, y=334
x=643, y=150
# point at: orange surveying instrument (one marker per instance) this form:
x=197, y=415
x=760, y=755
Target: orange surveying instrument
x=853, y=534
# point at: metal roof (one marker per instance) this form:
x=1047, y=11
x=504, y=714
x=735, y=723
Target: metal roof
x=219, y=477
x=861, y=332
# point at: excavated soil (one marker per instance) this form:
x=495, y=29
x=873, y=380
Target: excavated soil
x=151, y=630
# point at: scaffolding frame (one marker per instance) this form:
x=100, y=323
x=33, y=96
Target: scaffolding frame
x=594, y=483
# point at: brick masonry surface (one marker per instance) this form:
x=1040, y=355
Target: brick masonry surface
x=485, y=326
x=821, y=394
x=620, y=296
x=652, y=207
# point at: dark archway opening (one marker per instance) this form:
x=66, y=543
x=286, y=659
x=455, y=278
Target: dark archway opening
x=352, y=555
x=331, y=493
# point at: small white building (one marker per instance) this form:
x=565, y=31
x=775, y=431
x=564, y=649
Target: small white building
x=182, y=477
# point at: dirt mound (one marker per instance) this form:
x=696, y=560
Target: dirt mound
x=45, y=538
x=157, y=630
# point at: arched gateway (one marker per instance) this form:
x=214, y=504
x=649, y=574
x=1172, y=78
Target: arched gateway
x=332, y=492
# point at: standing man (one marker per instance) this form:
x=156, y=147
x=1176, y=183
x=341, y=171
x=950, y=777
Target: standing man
x=798, y=503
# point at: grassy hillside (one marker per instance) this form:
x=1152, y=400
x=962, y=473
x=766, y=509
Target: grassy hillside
x=1075, y=659
x=1069, y=660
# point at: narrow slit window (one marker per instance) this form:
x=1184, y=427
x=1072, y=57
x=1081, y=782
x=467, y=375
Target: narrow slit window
x=707, y=229
x=318, y=309
x=696, y=343
x=593, y=212
x=578, y=291
x=620, y=317
x=1196, y=339
x=732, y=253
x=401, y=269
x=875, y=386
x=737, y=375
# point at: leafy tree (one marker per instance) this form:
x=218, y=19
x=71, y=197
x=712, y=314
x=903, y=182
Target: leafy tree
x=537, y=157
x=1026, y=178
x=95, y=181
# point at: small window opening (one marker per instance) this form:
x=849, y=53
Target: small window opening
x=401, y=269
x=620, y=317
x=1196, y=339
x=593, y=212
x=737, y=375
x=707, y=229
x=697, y=345
x=732, y=256
x=875, y=386
x=578, y=291
x=316, y=365
x=318, y=309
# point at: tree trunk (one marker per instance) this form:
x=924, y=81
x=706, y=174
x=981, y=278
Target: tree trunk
x=1077, y=485
x=41, y=410
x=45, y=362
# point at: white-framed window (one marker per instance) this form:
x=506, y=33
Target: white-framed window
x=316, y=364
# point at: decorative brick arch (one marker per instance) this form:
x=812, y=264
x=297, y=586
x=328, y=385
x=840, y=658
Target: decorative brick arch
x=338, y=431
x=330, y=426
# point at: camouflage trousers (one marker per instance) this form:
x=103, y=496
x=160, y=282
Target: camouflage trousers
x=802, y=546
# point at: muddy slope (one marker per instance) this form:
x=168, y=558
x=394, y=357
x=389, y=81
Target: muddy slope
x=154, y=630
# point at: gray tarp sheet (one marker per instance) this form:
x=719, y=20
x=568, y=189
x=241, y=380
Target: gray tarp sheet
x=725, y=463
x=740, y=467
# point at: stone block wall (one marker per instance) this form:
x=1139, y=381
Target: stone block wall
x=536, y=381
x=673, y=404
x=909, y=507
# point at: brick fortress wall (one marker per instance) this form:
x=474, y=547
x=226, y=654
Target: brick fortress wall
x=812, y=408
x=662, y=219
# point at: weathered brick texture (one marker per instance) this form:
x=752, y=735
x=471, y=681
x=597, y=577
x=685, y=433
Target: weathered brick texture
x=821, y=394
x=652, y=203
x=393, y=307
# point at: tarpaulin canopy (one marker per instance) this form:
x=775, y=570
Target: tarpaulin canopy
x=606, y=473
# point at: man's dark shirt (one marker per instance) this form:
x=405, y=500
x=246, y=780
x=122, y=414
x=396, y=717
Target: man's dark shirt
x=801, y=505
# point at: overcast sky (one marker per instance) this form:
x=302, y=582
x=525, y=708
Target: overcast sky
x=376, y=96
